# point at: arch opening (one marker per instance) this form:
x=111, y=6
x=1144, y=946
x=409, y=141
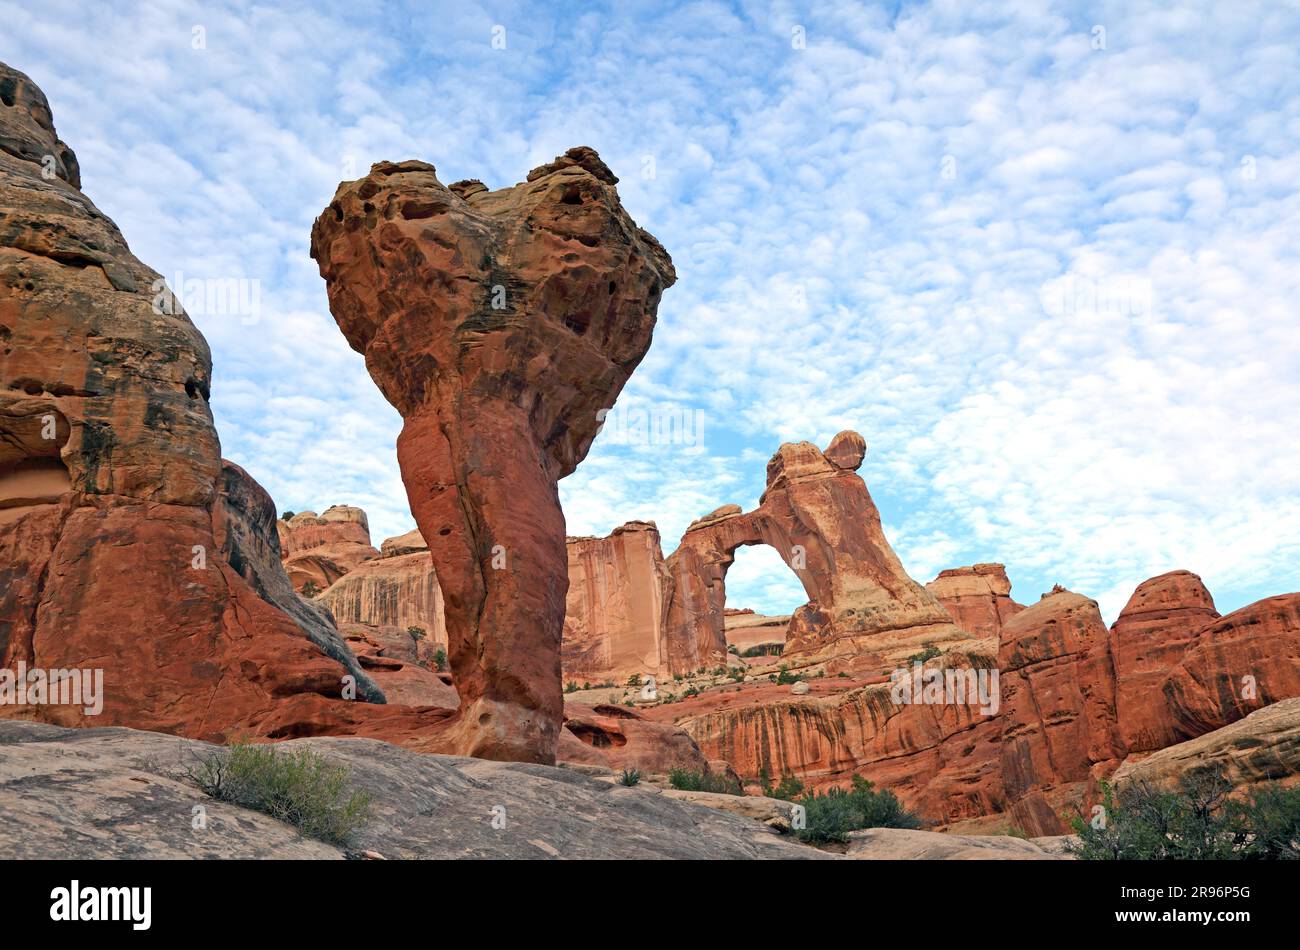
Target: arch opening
x=761, y=592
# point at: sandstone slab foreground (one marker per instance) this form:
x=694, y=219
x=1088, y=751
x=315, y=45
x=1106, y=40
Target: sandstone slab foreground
x=97, y=793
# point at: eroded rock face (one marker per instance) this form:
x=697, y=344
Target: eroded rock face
x=399, y=592
x=319, y=549
x=1060, y=727
x=1236, y=665
x=500, y=324
x=1263, y=747
x=613, y=621
x=978, y=597
x=124, y=544
x=819, y=516
x=1149, y=638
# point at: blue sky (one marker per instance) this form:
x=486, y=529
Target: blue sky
x=1044, y=257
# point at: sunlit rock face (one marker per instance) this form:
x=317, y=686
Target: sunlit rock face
x=613, y=620
x=125, y=543
x=978, y=597
x=502, y=325
x=319, y=549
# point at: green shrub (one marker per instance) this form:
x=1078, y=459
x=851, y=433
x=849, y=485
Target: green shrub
x=929, y=653
x=788, y=789
x=299, y=786
x=630, y=777
x=440, y=659
x=416, y=634
x=785, y=677
x=310, y=589
x=1198, y=821
x=764, y=649
x=831, y=815
x=570, y=687
x=706, y=781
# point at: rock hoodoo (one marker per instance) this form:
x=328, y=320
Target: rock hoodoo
x=500, y=324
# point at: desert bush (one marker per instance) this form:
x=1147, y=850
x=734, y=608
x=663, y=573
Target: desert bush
x=299, y=786
x=440, y=659
x=1197, y=821
x=706, y=781
x=832, y=814
x=630, y=777
x=929, y=653
x=785, y=677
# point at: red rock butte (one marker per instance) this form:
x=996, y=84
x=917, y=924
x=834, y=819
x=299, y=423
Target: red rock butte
x=501, y=325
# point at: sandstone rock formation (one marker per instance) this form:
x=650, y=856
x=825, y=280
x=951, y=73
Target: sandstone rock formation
x=410, y=543
x=244, y=524
x=1068, y=709
x=819, y=516
x=319, y=549
x=977, y=597
x=123, y=544
x=390, y=610
x=397, y=593
x=1059, y=726
x=1236, y=664
x=501, y=324
x=1149, y=638
x=1263, y=747
x=613, y=620
x=617, y=737
x=746, y=630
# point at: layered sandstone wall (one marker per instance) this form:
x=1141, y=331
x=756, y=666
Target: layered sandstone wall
x=613, y=620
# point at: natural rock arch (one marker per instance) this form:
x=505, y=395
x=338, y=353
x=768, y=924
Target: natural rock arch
x=819, y=517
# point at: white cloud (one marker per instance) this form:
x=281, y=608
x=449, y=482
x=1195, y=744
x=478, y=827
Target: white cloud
x=831, y=275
